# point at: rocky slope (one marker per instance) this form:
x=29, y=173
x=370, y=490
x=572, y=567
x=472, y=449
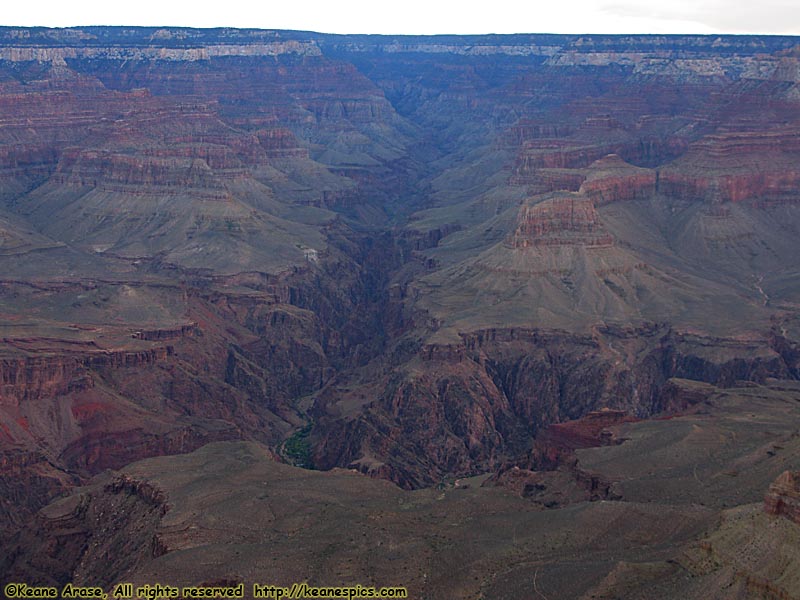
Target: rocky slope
x=638, y=510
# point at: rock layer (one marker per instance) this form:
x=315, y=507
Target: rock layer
x=422, y=253
x=783, y=498
x=561, y=220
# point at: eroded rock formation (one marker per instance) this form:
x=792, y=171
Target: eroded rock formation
x=564, y=219
x=424, y=253
x=783, y=498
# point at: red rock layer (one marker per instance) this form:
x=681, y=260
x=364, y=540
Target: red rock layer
x=737, y=166
x=611, y=179
x=110, y=170
x=554, y=449
x=560, y=220
x=23, y=379
x=554, y=154
x=552, y=180
x=97, y=451
x=556, y=445
x=280, y=142
x=783, y=497
x=37, y=377
x=529, y=129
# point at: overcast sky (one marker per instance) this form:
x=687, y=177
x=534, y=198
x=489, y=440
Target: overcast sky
x=424, y=16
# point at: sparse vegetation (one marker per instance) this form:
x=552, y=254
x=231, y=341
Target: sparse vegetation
x=297, y=448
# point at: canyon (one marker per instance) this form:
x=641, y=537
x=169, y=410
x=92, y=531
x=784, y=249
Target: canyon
x=405, y=262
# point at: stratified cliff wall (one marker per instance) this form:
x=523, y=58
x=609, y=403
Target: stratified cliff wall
x=422, y=251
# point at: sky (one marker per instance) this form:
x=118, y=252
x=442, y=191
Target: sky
x=424, y=16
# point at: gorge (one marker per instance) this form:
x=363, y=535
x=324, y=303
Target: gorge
x=514, y=261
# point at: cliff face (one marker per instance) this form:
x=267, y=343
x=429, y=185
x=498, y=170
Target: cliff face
x=783, y=497
x=560, y=220
x=82, y=530
x=736, y=166
x=40, y=377
x=553, y=457
x=465, y=407
x=611, y=179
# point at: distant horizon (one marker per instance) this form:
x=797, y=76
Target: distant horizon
x=417, y=17
x=445, y=34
